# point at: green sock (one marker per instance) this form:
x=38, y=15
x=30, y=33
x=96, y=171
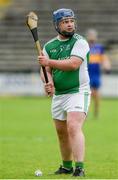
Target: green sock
x=67, y=164
x=79, y=164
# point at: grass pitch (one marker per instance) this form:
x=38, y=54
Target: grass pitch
x=28, y=140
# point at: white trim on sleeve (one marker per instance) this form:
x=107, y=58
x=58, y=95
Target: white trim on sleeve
x=80, y=48
x=45, y=52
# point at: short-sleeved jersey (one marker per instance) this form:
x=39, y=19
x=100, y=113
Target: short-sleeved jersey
x=73, y=81
x=96, y=57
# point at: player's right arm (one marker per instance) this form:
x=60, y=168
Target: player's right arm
x=49, y=87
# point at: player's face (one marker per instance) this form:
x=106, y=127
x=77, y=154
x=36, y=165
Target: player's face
x=92, y=38
x=67, y=25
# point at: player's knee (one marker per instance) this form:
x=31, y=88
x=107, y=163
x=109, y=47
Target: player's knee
x=72, y=128
x=61, y=132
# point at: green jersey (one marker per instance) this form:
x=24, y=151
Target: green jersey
x=73, y=81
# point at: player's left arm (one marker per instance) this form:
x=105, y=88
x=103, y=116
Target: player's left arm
x=70, y=64
x=78, y=54
x=106, y=63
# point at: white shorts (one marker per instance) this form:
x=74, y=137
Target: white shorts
x=77, y=102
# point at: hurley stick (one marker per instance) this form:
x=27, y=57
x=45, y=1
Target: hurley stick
x=32, y=20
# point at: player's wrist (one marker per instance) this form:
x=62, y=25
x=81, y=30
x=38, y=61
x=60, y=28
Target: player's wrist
x=49, y=63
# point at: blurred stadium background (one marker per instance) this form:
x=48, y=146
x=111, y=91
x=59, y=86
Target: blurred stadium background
x=19, y=70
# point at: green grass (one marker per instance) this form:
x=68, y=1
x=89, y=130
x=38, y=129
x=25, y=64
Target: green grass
x=28, y=140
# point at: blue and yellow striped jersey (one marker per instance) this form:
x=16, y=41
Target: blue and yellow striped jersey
x=96, y=57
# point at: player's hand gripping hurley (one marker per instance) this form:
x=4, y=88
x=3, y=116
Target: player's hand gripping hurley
x=32, y=20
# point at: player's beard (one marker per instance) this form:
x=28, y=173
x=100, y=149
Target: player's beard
x=67, y=34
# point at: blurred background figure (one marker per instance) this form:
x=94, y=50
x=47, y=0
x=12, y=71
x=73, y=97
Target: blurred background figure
x=4, y=5
x=98, y=61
